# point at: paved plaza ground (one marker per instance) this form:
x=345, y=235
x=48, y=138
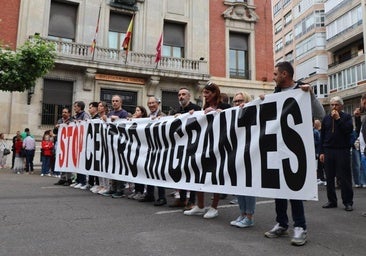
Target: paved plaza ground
x=38, y=218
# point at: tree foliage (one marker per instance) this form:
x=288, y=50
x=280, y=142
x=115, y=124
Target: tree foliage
x=19, y=70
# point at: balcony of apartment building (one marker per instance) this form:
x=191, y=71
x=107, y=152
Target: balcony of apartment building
x=346, y=37
x=347, y=56
x=119, y=62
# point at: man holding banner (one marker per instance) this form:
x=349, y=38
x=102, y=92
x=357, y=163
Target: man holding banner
x=117, y=186
x=153, y=105
x=283, y=76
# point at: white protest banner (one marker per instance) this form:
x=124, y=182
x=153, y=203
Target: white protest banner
x=265, y=149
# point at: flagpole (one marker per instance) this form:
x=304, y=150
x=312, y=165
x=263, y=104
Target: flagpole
x=127, y=41
x=96, y=32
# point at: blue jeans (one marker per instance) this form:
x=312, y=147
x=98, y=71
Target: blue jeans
x=29, y=156
x=363, y=170
x=298, y=215
x=356, y=166
x=46, y=161
x=246, y=204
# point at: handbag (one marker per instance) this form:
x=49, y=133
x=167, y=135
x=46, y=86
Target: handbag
x=6, y=151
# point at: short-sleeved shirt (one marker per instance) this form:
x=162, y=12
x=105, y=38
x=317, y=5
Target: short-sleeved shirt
x=120, y=113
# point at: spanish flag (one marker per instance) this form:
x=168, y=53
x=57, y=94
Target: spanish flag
x=94, y=43
x=127, y=41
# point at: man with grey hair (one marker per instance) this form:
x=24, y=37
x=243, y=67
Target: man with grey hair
x=335, y=153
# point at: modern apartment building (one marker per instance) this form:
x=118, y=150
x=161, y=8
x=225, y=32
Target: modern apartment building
x=227, y=42
x=346, y=47
x=324, y=40
x=299, y=36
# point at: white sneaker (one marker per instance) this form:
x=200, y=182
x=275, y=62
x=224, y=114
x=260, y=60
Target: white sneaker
x=73, y=184
x=97, y=189
x=93, y=188
x=233, y=223
x=195, y=211
x=79, y=185
x=85, y=187
x=102, y=191
x=137, y=196
x=211, y=213
x=42, y=174
x=245, y=222
x=299, y=237
x=48, y=174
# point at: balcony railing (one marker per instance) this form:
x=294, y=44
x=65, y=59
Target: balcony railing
x=82, y=52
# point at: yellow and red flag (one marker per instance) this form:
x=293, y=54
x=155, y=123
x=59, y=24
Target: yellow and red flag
x=94, y=43
x=127, y=41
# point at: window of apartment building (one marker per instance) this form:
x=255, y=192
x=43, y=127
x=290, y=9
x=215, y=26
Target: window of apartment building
x=305, y=46
x=288, y=18
x=323, y=89
x=57, y=94
x=170, y=102
x=278, y=45
x=348, y=78
x=174, y=40
x=288, y=38
x=129, y=98
x=319, y=18
x=239, y=60
x=346, y=21
x=62, y=23
x=118, y=25
x=278, y=26
x=277, y=7
x=286, y=2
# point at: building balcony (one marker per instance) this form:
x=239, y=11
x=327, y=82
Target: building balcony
x=344, y=38
x=353, y=60
x=113, y=61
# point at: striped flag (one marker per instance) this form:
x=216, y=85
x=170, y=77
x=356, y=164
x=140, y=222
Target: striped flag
x=158, y=49
x=127, y=41
x=94, y=43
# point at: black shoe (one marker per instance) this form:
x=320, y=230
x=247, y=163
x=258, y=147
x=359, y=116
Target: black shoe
x=348, y=208
x=330, y=205
x=109, y=193
x=60, y=182
x=147, y=198
x=67, y=183
x=160, y=202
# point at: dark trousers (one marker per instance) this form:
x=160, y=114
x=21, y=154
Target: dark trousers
x=150, y=192
x=117, y=185
x=183, y=196
x=139, y=188
x=337, y=163
x=297, y=210
x=29, y=156
x=93, y=180
x=320, y=170
x=81, y=178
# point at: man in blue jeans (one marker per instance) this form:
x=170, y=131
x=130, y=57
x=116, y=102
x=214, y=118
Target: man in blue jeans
x=283, y=76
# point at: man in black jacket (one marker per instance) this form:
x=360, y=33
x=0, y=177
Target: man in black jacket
x=335, y=153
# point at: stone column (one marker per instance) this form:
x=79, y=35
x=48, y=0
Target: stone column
x=152, y=85
x=89, y=81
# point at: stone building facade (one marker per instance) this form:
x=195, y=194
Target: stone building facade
x=227, y=42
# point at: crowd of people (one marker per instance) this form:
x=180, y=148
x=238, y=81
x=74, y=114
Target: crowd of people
x=332, y=136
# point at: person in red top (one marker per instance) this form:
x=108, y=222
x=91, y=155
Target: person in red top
x=18, y=160
x=46, y=148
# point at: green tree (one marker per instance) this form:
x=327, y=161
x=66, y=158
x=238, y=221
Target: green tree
x=19, y=70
